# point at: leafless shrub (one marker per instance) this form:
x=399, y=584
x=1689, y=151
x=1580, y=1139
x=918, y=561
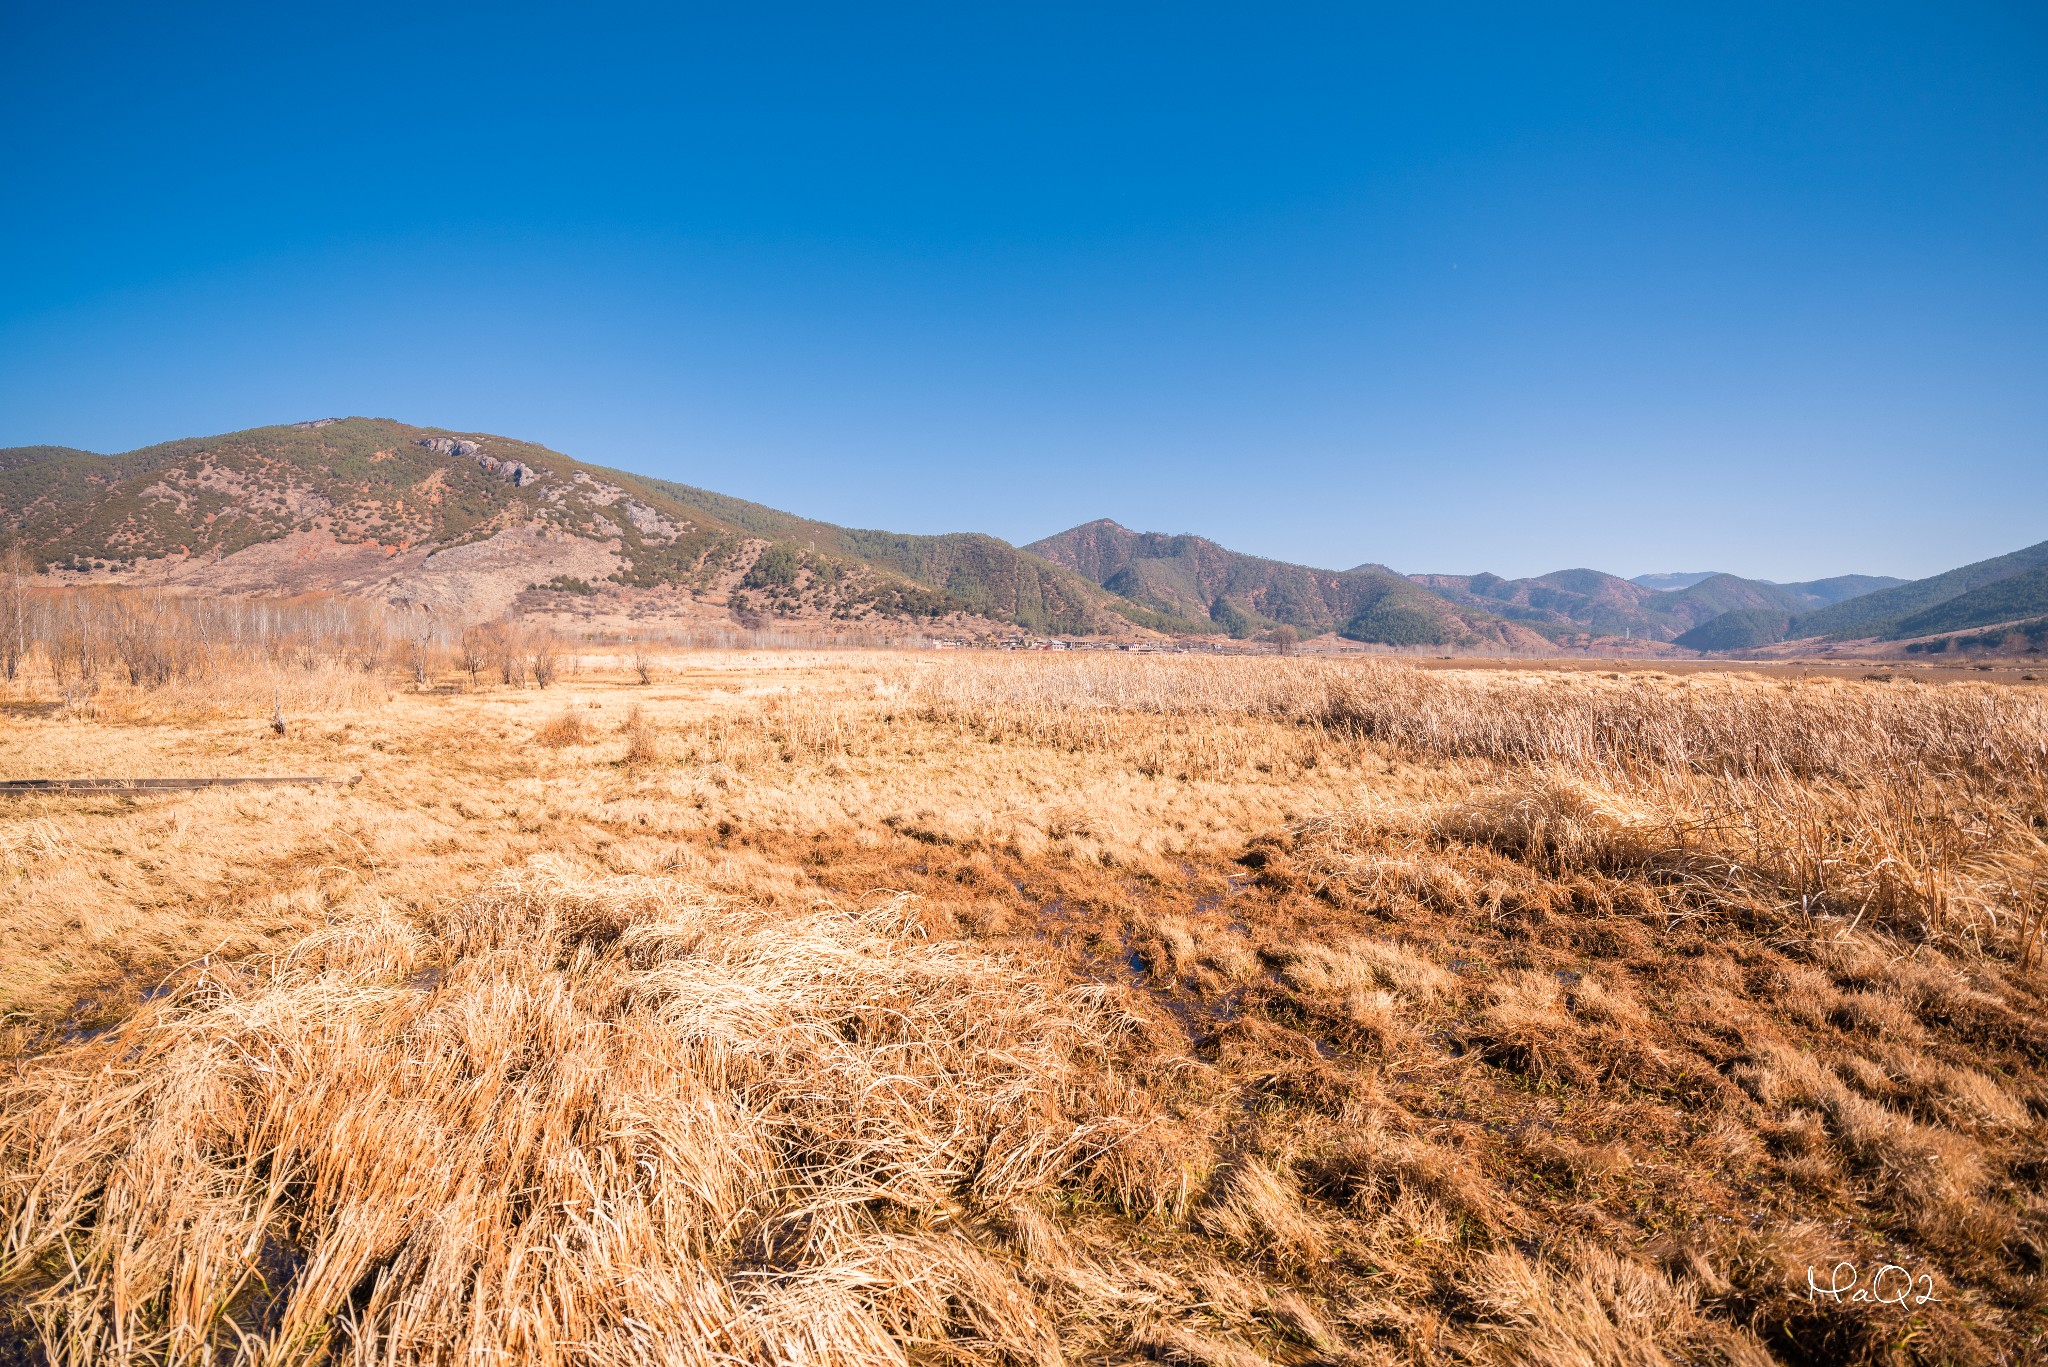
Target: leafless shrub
x=643, y=744
x=567, y=729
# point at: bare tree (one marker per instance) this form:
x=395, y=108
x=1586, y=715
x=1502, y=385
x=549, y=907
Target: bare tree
x=473, y=652
x=642, y=661
x=14, y=611
x=420, y=638
x=507, y=651
x=545, y=653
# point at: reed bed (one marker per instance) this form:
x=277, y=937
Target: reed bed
x=1904, y=855
x=1713, y=723
x=1924, y=809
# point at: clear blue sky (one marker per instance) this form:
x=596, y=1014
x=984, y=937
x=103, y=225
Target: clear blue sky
x=1759, y=288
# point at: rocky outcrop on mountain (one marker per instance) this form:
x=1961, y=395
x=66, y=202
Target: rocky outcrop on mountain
x=517, y=473
x=510, y=470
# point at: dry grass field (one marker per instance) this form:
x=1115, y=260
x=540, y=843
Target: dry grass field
x=889, y=1008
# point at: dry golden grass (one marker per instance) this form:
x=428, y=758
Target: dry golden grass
x=863, y=1008
x=632, y=1122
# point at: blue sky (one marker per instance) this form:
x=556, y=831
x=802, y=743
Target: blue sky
x=1758, y=288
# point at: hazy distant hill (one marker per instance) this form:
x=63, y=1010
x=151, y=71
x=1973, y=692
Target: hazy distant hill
x=1192, y=579
x=1814, y=592
x=1672, y=581
x=2002, y=589
x=1821, y=593
x=1567, y=600
x=1588, y=600
x=474, y=521
x=1710, y=598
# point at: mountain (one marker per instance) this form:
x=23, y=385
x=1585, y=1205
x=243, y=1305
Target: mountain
x=1876, y=614
x=2002, y=600
x=1194, y=581
x=480, y=525
x=1739, y=629
x=1588, y=600
x=1822, y=593
x=1723, y=593
x=1564, y=601
x=16, y=456
x=483, y=524
x=991, y=576
x=1814, y=593
x=1666, y=583
x=2005, y=588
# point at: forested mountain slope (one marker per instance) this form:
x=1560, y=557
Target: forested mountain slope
x=2005, y=588
x=1190, y=578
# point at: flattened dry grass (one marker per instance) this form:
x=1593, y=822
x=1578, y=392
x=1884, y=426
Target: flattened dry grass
x=568, y=1120
x=1220, y=1012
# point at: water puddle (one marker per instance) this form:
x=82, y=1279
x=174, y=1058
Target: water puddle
x=1106, y=953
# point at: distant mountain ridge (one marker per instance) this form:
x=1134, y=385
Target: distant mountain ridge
x=1192, y=580
x=1670, y=582
x=1588, y=600
x=1822, y=593
x=2019, y=596
x=2007, y=588
x=484, y=524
